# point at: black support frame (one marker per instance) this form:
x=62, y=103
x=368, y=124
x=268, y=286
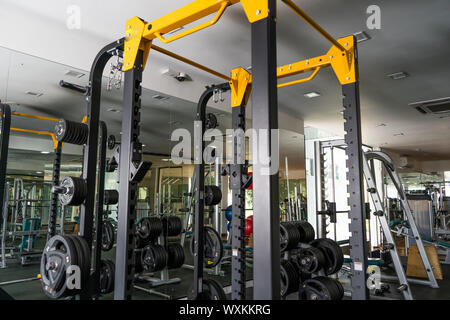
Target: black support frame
x=237, y=173
x=90, y=149
x=4, y=140
x=53, y=214
x=130, y=154
x=266, y=234
x=352, y=128
x=199, y=188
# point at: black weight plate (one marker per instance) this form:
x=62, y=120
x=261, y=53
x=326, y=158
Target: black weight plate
x=107, y=235
x=176, y=256
x=154, y=257
x=321, y=288
x=333, y=254
x=214, y=289
x=289, y=236
x=59, y=253
x=289, y=279
x=111, y=142
x=212, y=247
x=107, y=273
x=213, y=195
x=311, y=260
x=83, y=259
x=306, y=230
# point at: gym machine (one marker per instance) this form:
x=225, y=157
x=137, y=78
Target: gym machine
x=62, y=252
x=262, y=15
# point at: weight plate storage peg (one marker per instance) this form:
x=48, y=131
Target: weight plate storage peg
x=71, y=132
x=60, y=253
x=72, y=191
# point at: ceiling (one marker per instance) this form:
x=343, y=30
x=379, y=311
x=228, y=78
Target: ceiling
x=413, y=38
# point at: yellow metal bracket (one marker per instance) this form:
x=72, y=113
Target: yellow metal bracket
x=255, y=9
x=240, y=85
x=342, y=62
x=51, y=134
x=140, y=34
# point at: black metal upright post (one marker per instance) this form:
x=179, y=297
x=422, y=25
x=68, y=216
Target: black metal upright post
x=53, y=214
x=352, y=127
x=4, y=140
x=266, y=255
x=130, y=154
x=237, y=170
x=99, y=218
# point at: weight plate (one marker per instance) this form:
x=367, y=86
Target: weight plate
x=59, y=254
x=148, y=229
x=211, y=290
x=212, y=247
x=306, y=230
x=154, y=257
x=84, y=257
x=176, y=256
x=311, y=260
x=75, y=191
x=111, y=142
x=289, y=236
x=107, y=235
x=334, y=258
x=110, y=197
x=211, y=121
x=321, y=288
x=289, y=279
x=107, y=273
x=213, y=195
x=171, y=225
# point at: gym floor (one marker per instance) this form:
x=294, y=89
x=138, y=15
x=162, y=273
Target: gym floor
x=32, y=290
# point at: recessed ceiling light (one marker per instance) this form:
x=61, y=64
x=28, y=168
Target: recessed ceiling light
x=73, y=73
x=160, y=97
x=312, y=94
x=114, y=110
x=32, y=93
x=165, y=160
x=361, y=36
x=398, y=75
x=144, y=145
x=39, y=172
x=176, y=30
x=45, y=152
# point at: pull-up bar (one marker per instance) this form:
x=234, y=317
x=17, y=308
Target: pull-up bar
x=313, y=24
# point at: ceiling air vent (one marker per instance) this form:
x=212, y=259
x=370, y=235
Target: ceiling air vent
x=436, y=106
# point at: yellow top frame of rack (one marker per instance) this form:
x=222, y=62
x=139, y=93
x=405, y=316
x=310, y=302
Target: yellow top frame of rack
x=140, y=34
